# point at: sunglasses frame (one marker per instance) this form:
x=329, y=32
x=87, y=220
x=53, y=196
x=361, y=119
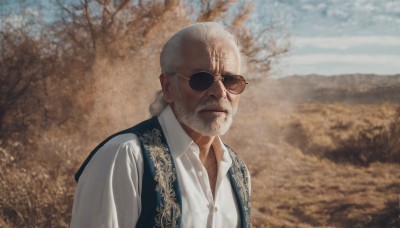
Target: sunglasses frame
x=241, y=78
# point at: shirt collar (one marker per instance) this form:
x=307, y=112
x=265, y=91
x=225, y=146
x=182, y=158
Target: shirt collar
x=221, y=152
x=177, y=139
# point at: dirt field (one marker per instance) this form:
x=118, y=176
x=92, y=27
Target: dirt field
x=330, y=160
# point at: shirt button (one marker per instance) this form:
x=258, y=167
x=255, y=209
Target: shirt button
x=215, y=209
x=200, y=173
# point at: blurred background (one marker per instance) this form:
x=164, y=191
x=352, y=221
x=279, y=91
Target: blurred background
x=318, y=125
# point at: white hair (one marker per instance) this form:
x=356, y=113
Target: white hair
x=158, y=105
x=210, y=33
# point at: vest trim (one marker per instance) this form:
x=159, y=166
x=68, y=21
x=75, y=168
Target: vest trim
x=168, y=211
x=240, y=180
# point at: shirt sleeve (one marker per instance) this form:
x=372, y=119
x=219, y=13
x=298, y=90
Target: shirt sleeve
x=108, y=191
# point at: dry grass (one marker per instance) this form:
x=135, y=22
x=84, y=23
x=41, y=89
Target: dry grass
x=299, y=179
x=290, y=150
x=36, y=185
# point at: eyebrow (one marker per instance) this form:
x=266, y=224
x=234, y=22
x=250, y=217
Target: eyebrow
x=209, y=71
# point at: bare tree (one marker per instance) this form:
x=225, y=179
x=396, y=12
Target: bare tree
x=257, y=42
x=115, y=29
x=48, y=69
x=22, y=64
x=120, y=27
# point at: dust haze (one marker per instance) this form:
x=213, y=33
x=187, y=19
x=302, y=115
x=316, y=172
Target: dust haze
x=322, y=151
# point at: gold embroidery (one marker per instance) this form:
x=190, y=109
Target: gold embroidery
x=241, y=178
x=168, y=211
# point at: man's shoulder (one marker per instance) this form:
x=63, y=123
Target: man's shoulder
x=128, y=135
x=144, y=125
x=120, y=140
x=123, y=142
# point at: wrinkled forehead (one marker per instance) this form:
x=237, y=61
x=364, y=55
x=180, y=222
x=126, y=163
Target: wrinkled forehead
x=216, y=51
x=211, y=45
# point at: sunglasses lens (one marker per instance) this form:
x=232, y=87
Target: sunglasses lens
x=201, y=81
x=232, y=83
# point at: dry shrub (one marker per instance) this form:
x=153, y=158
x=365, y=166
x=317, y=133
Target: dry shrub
x=375, y=144
x=335, y=132
x=388, y=217
x=297, y=135
x=20, y=67
x=65, y=84
x=393, y=139
x=37, y=189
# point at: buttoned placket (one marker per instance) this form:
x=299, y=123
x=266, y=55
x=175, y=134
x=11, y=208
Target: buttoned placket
x=203, y=179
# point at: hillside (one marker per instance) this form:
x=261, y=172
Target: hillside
x=357, y=88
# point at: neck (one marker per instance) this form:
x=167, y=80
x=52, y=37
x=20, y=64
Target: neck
x=204, y=142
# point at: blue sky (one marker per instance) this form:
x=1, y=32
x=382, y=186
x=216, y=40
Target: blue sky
x=327, y=37
x=338, y=36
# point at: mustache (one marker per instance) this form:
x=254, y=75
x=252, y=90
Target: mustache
x=214, y=103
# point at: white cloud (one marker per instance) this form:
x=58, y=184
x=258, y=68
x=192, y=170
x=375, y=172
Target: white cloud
x=313, y=59
x=334, y=64
x=345, y=42
x=341, y=36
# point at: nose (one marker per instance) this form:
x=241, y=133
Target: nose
x=217, y=89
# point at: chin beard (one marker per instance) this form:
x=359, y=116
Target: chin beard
x=210, y=127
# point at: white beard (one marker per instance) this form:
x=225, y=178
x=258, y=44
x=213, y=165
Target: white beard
x=210, y=127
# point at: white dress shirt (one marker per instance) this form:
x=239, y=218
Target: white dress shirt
x=109, y=189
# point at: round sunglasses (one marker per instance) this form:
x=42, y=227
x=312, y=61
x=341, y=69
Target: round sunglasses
x=203, y=80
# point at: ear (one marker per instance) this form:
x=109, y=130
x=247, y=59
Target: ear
x=166, y=85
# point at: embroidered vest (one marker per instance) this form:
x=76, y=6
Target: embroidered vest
x=161, y=198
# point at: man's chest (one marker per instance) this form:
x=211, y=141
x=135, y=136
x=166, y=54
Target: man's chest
x=199, y=207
